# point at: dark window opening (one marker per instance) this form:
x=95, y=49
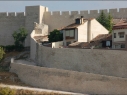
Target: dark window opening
x=114, y=35
x=121, y=34
x=123, y=46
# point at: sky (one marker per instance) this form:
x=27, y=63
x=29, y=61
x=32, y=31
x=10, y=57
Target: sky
x=19, y=6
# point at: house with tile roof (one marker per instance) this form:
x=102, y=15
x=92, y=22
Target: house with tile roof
x=101, y=41
x=82, y=30
x=119, y=38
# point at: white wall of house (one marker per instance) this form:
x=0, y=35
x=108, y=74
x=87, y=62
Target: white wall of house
x=57, y=44
x=117, y=41
x=76, y=34
x=97, y=28
x=117, y=35
x=82, y=33
x=64, y=35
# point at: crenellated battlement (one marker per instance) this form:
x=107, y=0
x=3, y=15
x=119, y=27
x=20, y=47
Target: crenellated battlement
x=16, y=14
x=116, y=13
x=3, y=14
x=57, y=19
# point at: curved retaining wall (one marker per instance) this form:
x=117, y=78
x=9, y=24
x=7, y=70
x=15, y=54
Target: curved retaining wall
x=105, y=62
x=71, y=81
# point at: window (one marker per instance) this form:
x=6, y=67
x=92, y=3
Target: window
x=67, y=33
x=70, y=34
x=121, y=34
x=114, y=35
x=123, y=46
x=107, y=43
x=117, y=46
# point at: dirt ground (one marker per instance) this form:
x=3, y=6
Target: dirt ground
x=9, y=54
x=10, y=79
x=7, y=77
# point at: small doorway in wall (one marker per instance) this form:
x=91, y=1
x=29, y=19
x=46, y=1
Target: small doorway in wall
x=108, y=43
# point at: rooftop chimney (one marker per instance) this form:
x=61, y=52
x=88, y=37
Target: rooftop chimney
x=79, y=20
x=82, y=19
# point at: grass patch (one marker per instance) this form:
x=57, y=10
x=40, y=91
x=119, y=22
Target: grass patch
x=9, y=91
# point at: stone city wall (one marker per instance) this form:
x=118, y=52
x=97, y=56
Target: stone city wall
x=72, y=81
x=10, y=22
x=104, y=62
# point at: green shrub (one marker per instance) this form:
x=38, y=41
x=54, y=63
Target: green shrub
x=20, y=36
x=9, y=48
x=1, y=53
x=19, y=47
x=7, y=91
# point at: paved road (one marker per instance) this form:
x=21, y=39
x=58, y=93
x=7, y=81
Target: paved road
x=38, y=89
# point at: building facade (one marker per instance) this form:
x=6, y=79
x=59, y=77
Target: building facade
x=119, y=38
x=83, y=30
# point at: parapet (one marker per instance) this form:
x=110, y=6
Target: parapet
x=15, y=14
x=117, y=13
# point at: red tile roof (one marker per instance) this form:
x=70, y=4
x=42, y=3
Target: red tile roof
x=102, y=37
x=74, y=25
x=122, y=24
x=95, y=42
x=71, y=26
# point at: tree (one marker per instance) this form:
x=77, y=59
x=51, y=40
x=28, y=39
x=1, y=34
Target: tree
x=55, y=36
x=1, y=53
x=19, y=37
x=106, y=21
x=109, y=23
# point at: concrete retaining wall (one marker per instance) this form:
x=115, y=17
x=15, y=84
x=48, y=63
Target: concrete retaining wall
x=71, y=81
x=105, y=62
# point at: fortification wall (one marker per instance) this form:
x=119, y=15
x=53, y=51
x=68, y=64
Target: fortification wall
x=33, y=14
x=104, y=62
x=71, y=81
x=10, y=22
x=57, y=19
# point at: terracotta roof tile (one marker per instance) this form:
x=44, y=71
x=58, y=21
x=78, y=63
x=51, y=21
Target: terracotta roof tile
x=74, y=25
x=121, y=24
x=71, y=26
x=96, y=41
x=117, y=21
x=103, y=37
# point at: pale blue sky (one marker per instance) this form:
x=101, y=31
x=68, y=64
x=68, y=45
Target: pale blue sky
x=19, y=6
